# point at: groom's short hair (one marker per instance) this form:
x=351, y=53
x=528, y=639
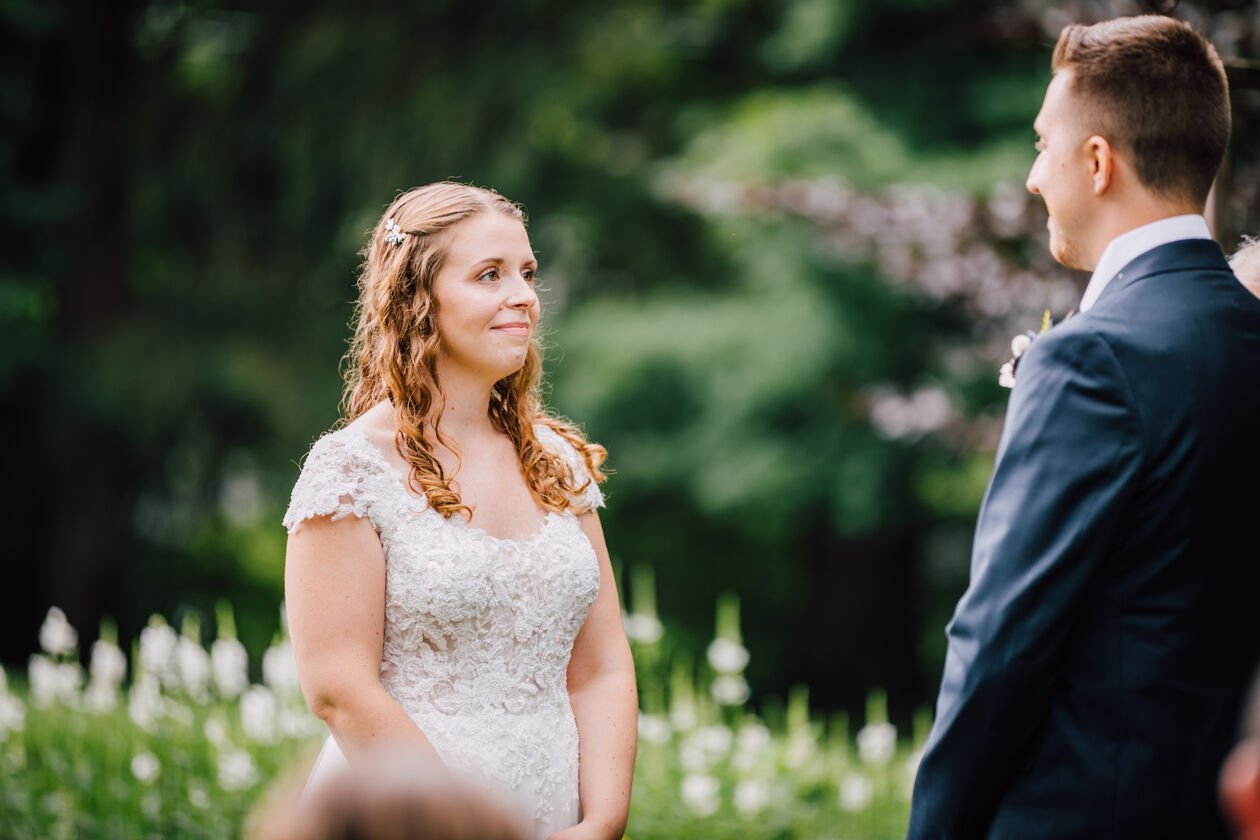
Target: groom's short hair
x=1156, y=89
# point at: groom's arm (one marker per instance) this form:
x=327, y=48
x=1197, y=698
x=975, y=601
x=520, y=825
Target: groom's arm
x=1065, y=471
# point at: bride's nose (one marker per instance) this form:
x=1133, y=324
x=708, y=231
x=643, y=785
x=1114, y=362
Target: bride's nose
x=522, y=294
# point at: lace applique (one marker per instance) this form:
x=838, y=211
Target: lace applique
x=590, y=497
x=335, y=480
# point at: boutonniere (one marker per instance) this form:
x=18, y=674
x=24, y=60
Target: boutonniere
x=1019, y=346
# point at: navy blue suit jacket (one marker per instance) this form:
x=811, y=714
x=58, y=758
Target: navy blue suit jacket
x=1098, y=661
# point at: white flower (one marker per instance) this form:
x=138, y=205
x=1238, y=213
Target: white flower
x=682, y=714
x=157, y=651
x=237, y=770
x=146, y=767
x=644, y=629
x=751, y=744
x=730, y=690
x=727, y=657
x=216, y=733
x=1006, y=375
x=198, y=797
x=1020, y=344
x=856, y=792
x=801, y=747
x=297, y=722
x=654, y=729
x=100, y=698
x=230, y=665
x=109, y=664
x=258, y=714
x=53, y=682
x=69, y=679
x=691, y=756
x=193, y=664
x=280, y=670
x=178, y=713
x=145, y=702
x=716, y=740
x=41, y=673
x=700, y=794
x=12, y=714
x=877, y=742
x=751, y=797
x=56, y=636
x=754, y=737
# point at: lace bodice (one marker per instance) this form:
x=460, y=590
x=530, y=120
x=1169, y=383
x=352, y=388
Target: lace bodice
x=478, y=629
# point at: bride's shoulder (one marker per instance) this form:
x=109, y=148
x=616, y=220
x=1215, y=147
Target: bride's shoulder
x=556, y=443
x=355, y=445
x=344, y=449
x=566, y=446
x=338, y=477
x=549, y=437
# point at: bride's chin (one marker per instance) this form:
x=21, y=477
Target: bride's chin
x=508, y=371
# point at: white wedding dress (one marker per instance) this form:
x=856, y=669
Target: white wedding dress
x=478, y=629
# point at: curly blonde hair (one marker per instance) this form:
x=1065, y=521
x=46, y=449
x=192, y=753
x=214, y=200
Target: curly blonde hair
x=396, y=344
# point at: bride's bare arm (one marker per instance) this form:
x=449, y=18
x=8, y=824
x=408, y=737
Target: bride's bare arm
x=605, y=703
x=334, y=587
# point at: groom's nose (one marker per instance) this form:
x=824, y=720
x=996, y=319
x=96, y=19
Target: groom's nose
x=1030, y=183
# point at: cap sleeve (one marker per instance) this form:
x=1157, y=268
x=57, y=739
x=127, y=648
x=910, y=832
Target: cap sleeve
x=333, y=482
x=590, y=497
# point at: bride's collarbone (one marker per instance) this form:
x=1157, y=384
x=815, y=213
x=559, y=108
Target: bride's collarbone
x=501, y=503
x=485, y=473
x=490, y=482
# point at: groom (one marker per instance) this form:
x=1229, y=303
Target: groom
x=1098, y=661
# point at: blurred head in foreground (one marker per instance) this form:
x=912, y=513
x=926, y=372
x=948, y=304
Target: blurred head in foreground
x=1240, y=778
x=1246, y=264
x=389, y=796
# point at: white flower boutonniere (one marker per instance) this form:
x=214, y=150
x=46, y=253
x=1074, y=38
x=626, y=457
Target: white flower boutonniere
x=1019, y=346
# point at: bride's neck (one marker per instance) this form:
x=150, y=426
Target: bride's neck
x=465, y=405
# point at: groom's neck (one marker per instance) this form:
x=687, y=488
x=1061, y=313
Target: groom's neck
x=1120, y=215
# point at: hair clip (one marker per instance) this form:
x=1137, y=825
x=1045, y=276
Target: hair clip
x=393, y=233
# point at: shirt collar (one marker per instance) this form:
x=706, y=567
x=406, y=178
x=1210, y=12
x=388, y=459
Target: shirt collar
x=1129, y=246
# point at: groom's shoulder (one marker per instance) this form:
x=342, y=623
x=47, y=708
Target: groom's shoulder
x=1080, y=343
x=1075, y=333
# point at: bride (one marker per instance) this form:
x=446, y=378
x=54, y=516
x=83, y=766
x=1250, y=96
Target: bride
x=446, y=580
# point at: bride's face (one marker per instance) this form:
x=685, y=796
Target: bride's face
x=487, y=308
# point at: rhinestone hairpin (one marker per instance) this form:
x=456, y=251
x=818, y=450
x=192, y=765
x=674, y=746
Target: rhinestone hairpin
x=393, y=233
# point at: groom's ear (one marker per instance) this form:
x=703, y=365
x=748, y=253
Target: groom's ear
x=1101, y=160
x=1240, y=788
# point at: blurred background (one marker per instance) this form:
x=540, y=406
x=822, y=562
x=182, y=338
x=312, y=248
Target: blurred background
x=784, y=246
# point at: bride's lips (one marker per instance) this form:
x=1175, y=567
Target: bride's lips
x=514, y=328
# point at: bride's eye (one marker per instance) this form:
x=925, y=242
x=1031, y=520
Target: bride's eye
x=489, y=274
x=530, y=275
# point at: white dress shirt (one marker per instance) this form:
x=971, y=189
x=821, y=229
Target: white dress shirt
x=1129, y=246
